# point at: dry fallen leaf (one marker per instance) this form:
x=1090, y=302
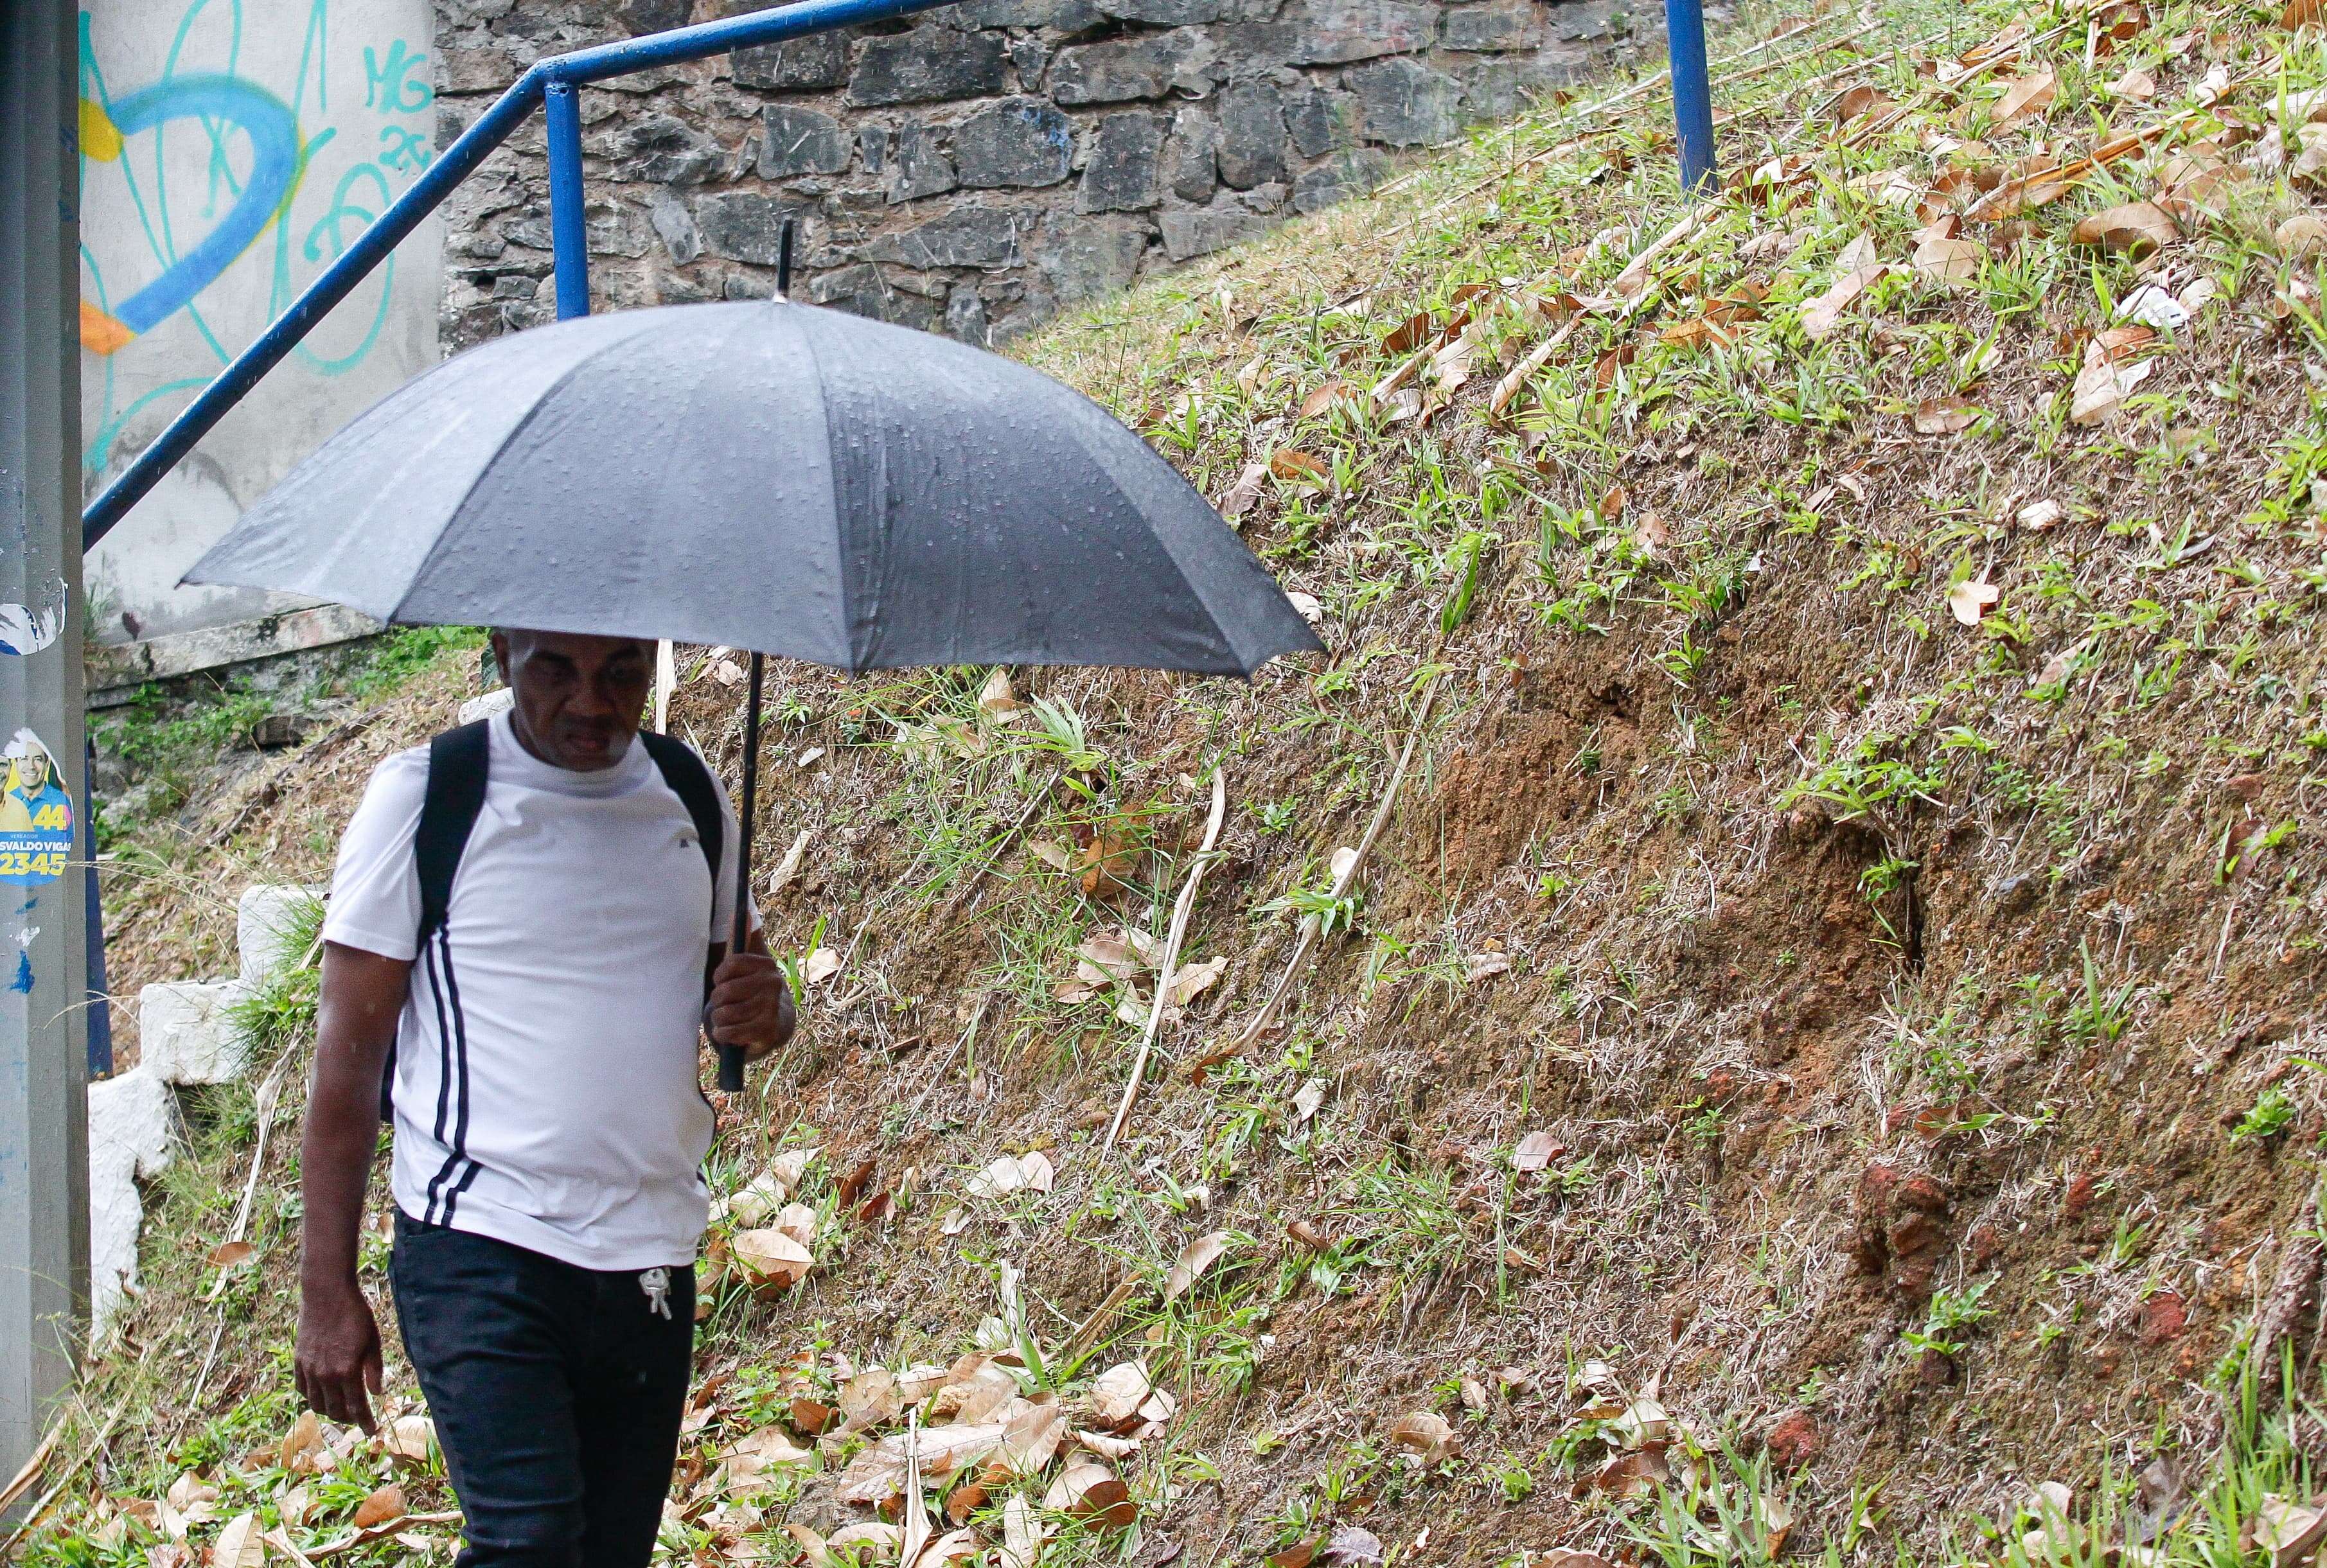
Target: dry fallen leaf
x=1307, y=1099
x=2136, y=227
x=1324, y=398
x=409, y=1438
x=1245, y=491
x=2038, y=515
x=238, y=1545
x=2101, y=387
x=1854, y=270
x=1969, y=600
x=770, y=1258
x=2290, y=1532
x=2137, y=85
x=1946, y=417
x=1118, y=1393
x=1023, y=1532
x=228, y=1254
x=1107, y=1446
x=300, y=1445
x=999, y=700
x=1029, y=1172
x=1194, y=1259
x=2027, y=97
x=1426, y=1434
x=1535, y=1152
x=871, y=1541
x=1943, y=259
x=380, y=1507
x=1289, y=463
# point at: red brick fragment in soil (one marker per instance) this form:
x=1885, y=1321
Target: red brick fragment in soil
x=1793, y=1440
x=2083, y=1188
x=2163, y=1317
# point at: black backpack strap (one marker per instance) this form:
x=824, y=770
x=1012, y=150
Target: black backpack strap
x=690, y=781
x=449, y=808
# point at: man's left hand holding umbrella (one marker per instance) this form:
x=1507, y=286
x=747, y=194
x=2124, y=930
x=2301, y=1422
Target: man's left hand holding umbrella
x=550, y=1127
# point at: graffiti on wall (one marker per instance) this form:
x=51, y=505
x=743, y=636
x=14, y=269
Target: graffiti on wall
x=231, y=150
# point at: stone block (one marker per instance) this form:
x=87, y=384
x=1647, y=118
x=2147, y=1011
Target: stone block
x=1352, y=171
x=964, y=317
x=1165, y=12
x=484, y=68
x=743, y=226
x=809, y=65
x=800, y=141
x=921, y=166
x=644, y=16
x=982, y=236
x=1192, y=155
x=1019, y=141
x=1492, y=27
x=659, y=148
x=1121, y=70
x=928, y=64
x=1407, y=103
x=132, y=1133
x=1588, y=21
x=1194, y=231
x=499, y=700
x=863, y=291
x=268, y=919
x=1337, y=31
x=185, y=1034
x=1123, y=164
x=1252, y=133
x=1087, y=258
x=1322, y=120
x=1065, y=15
x=674, y=225
x=1246, y=47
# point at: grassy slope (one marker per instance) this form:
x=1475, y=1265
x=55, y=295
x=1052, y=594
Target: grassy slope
x=1922, y=1014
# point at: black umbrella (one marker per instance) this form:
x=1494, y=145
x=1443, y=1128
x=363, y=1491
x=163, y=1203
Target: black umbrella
x=772, y=477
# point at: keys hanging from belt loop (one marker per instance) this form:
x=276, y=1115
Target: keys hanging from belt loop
x=656, y=1283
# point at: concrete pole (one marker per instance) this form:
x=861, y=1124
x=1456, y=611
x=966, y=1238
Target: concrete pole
x=43, y=1064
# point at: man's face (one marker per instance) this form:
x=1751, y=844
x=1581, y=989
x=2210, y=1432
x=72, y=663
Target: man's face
x=33, y=771
x=578, y=697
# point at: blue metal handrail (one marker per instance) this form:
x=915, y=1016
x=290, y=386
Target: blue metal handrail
x=552, y=82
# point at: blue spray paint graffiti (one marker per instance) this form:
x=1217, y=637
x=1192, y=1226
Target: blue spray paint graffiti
x=257, y=140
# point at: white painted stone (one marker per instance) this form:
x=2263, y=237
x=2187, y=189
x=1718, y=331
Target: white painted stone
x=185, y=1035
x=132, y=1121
x=498, y=700
x=264, y=921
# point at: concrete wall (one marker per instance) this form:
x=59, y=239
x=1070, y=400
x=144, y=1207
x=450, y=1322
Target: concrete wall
x=977, y=169
x=230, y=149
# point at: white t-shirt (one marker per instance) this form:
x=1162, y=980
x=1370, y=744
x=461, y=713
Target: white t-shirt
x=547, y=1090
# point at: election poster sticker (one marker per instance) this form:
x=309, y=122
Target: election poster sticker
x=36, y=818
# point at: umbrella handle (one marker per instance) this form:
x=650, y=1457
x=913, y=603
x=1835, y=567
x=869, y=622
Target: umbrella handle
x=731, y=1057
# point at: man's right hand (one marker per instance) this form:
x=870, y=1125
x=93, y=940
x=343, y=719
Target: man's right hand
x=338, y=1354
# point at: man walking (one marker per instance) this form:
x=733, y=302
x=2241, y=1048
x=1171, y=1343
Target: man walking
x=523, y=943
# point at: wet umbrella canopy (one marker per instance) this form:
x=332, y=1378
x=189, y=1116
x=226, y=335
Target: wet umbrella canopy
x=772, y=477
x=768, y=476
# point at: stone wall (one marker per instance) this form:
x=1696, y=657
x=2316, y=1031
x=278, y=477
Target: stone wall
x=978, y=168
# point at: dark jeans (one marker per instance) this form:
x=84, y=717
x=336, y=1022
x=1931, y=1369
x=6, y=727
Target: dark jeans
x=556, y=1391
